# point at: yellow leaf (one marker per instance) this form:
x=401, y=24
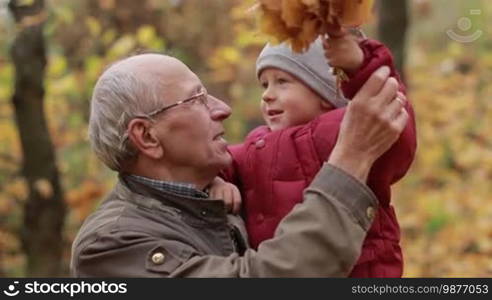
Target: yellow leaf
x=6, y=73
x=108, y=36
x=18, y=189
x=20, y=3
x=271, y=24
x=312, y=3
x=122, y=47
x=293, y=13
x=64, y=14
x=356, y=12
x=93, y=25
x=146, y=34
x=230, y=54
x=275, y=5
x=57, y=65
x=310, y=31
x=301, y=21
x=313, y=6
x=93, y=66
x=107, y=4
x=455, y=49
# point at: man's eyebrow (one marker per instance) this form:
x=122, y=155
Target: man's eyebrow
x=193, y=91
x=197, y=90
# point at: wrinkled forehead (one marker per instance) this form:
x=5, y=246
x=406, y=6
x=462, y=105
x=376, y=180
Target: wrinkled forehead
x=174, y=77
x=178, y=80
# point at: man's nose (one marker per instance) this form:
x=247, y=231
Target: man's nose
x=219, y=110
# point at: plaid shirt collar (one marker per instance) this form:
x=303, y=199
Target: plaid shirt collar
x=180, y=188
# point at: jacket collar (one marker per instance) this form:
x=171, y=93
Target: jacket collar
x=206, y=210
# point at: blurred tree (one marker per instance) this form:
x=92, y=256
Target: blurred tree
x=44, y=210
x=392, y=28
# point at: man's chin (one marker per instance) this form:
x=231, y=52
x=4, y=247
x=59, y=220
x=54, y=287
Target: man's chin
x=226, y=160
x=221, y=160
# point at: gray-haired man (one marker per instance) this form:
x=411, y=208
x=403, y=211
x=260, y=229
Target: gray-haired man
x=154, y=123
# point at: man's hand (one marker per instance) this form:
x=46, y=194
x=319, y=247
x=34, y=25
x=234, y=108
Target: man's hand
x=227, y=192
x=373, y=121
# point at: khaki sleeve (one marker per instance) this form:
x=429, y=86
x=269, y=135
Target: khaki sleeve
x=321, y=237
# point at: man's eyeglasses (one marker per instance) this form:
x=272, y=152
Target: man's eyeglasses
x=202, y=97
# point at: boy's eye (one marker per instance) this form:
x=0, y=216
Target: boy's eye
x=282, y=80
x=264, y=84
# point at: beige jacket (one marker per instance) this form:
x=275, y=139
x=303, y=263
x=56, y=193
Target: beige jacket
x=147, y=233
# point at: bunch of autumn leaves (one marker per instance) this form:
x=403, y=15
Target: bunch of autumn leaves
x=300, y=22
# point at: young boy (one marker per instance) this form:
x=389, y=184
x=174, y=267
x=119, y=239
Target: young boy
x=303, y=111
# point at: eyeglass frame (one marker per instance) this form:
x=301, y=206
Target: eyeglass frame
x=163, y=109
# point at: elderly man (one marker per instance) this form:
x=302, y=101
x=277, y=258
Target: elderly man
x=154, y=123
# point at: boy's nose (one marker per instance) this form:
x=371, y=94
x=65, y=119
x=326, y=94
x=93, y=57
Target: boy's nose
x=268, y=96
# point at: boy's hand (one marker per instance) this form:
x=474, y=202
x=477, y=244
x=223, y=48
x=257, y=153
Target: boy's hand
x=342, y=49
x=227, y=192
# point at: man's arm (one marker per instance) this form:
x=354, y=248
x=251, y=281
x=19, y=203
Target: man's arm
x=394, y=164
x=321, y=237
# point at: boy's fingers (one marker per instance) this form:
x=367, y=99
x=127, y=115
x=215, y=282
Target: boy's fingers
x=227, y=200
x=373, y=85
x=335, y=29
x=234, y=200
x=237, y=201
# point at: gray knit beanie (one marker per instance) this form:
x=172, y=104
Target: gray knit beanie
x=311, y=67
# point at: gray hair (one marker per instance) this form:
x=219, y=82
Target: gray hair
x=118, y=97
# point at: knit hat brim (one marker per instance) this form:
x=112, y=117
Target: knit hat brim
x=311, y=68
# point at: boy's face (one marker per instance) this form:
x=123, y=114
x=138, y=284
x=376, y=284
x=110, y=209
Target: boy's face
x=288, y=102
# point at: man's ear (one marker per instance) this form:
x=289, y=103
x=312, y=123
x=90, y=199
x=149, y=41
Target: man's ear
x=143, y=137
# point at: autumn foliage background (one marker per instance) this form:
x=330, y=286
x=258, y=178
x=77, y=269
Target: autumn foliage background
x=444, y=204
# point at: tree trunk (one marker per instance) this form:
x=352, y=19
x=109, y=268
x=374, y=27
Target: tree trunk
x=392, y=28
x=44, y=210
